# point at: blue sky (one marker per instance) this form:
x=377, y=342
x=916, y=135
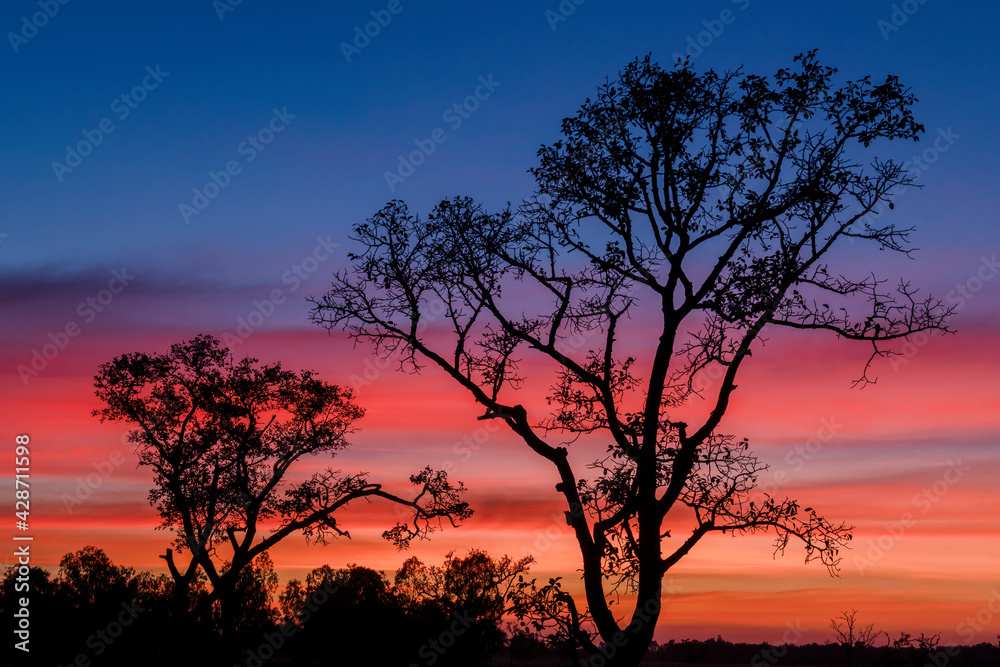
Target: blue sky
x=326, y=170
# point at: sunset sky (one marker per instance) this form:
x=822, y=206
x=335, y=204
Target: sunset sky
x=169, y=167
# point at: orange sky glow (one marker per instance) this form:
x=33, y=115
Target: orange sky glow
x=924, y=500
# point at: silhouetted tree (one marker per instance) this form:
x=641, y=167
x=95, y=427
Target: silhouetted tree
x=926, y=645
x=447, y=614
x=486, y=586
x=46, y=611
x=553, y=614
x=96, y=612
x=853, y=636
x=524, y=644
x=476, y=586
x=222, y=435
x=349, y=616
x=687, y=214
x=253, y=598
x=91, y=580
x=895, y=647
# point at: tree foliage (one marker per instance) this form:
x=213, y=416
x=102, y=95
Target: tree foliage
x=681, y=216
x=96, y=612
x=223, y=438
x=355, y=615
x=444, y=615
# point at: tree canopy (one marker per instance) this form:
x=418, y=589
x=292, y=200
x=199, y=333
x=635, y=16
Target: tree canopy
x=222, y=437
x=681, y=216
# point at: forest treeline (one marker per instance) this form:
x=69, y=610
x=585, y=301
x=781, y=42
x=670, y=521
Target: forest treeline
x=94, y=612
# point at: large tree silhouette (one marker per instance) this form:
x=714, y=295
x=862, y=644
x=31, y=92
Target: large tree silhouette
x=223, y=437
x=684, y=214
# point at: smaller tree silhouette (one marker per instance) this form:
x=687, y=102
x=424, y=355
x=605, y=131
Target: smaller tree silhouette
x=222, y=438
x=926, y=645
x=91, y=580
x=525, y=644
x=476, y=586
x=348, y=616
x=109, y=614
x=853, y=636
x=894, y=647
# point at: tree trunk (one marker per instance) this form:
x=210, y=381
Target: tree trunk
x=180, y=602
x=227, y=620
